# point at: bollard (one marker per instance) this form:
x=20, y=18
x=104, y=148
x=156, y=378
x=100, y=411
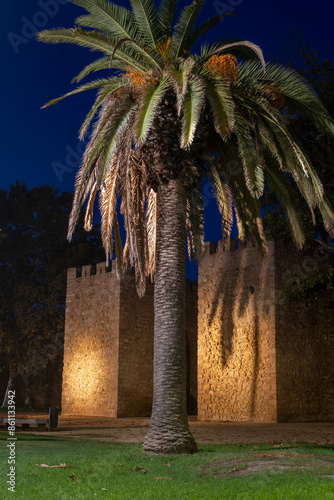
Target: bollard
x=53, y=417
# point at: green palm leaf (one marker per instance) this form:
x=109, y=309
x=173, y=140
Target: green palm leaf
x=253, y=170
x=99, y=64
x=184, y=27
x=166, y=13
x=205, y=27
x=108, y=17
x=224, y=199
x=146, y=18
x=178, y=79
x=195, y=234
x=148, y=105
x=279, y=184
x=298, y=95
x=95, y=41
x=221, y=104
x=192, y=107
x=86, y=86
x=243, y=49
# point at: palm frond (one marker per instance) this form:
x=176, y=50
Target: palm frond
x=146, y=52
x=97, y=155
x=108, y=202
x=148, y=105
x=327, y=214
x=221, y=105
x=192, y=106
x=151, y=232
x=82, y=88
x=298, y=94
x=99, y=64
x=95, y=41
x=243, y=49
x=102, y=95
x=107, y=16
x=145, y=15
x=184, y=27
x=88, y=224
x=111, y=134
x=253, y=170
x=247, y=208
x=298, y=162
x=137, y=212
x=194, y=223
x=126, y=153
x=166, y=14
x=118, y=247
x=224, y=199
x=278, y=182
x=205, y=27
x=178, y=79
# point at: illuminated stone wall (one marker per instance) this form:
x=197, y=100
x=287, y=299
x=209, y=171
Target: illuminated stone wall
x=90, y=372
x=108, y=353
x=259, y=359
x=236, y=335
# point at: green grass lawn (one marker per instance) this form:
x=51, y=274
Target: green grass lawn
x=97, y=469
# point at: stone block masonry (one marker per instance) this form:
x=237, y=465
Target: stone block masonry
x=91, y=349
x=304, y=343
x=258, y=358
x=108, y=353
x=236, y=335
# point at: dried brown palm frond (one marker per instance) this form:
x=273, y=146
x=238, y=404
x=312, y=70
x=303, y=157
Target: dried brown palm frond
x=151, y=232
x=108, y=203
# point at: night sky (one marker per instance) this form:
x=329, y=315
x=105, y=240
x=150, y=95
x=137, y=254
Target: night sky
x=37, y=144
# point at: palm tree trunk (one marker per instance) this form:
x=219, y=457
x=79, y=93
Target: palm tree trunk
x=169, y=431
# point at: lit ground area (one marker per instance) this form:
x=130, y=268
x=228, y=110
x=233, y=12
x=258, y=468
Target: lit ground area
x=133, y=430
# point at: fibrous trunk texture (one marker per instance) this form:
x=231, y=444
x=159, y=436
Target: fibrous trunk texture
x=169, y=431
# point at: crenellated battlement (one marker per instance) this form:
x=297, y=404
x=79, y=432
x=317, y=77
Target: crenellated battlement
x=100, y=268
x=227, y=245
x=97, y=269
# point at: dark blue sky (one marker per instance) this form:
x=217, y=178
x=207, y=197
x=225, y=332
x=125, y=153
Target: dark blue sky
x=37, y=144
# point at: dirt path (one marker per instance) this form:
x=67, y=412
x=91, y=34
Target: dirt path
x=135, y=429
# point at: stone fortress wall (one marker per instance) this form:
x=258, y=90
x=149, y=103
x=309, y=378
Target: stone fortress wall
x=250, y=356
x=260, y=359
x=108, y=350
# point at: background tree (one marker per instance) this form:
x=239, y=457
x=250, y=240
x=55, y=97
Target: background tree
x=164, y=121
x=33, y=261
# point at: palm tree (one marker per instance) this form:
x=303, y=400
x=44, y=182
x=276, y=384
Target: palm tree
x=165, y=119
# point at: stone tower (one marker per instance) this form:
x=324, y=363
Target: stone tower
x=258, y=358
x=108, y=351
